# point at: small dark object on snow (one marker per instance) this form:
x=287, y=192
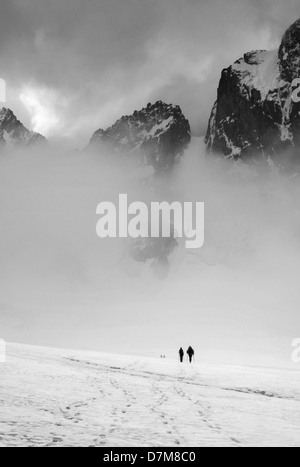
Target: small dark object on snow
x=191, y=353
x=181, y=354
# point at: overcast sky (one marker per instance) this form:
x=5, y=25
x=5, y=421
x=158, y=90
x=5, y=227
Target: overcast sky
x=73, y=66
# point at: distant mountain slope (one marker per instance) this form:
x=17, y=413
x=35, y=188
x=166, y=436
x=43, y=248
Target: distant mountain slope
x=14, y=133
x=254, y=115
x=156, y=135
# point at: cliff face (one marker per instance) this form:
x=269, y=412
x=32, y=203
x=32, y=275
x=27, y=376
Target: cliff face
x=156, y=136
x=13, y=133
x=254, y=116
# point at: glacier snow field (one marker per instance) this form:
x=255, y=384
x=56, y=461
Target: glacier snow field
x=52, y=397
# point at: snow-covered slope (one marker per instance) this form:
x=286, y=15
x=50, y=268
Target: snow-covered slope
x=13, y=133
x=254, y=115
x=156, y=136
x=65, y=398
x=259, y=70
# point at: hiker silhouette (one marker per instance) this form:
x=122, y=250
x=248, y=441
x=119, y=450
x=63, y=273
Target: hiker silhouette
x=181, y=354
x=191, y=353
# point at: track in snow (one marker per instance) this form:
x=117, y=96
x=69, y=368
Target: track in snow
x=62, y=398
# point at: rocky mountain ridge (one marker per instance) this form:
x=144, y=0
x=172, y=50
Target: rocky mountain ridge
x=254, y=116
x=156, y=136
x=13, y=133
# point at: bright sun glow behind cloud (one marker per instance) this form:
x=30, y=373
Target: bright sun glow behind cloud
x=43, y=106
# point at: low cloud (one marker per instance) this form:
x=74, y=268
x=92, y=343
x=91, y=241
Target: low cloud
x=236, y=298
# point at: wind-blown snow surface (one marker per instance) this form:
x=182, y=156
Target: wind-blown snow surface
x=69, y=398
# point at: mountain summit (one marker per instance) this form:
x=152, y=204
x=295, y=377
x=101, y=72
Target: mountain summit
x=156, y=136
x=14, y=133
x=254, y=115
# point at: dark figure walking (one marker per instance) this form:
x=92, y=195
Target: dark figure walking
x=181, y=355
x=191, y=353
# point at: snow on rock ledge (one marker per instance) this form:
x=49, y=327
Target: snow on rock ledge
x=13, y=133
x=156, y=136
x=254, y=116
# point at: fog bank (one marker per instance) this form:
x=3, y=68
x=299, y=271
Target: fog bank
x=235, y=300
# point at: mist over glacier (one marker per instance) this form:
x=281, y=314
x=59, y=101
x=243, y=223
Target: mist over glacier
x=235, y=300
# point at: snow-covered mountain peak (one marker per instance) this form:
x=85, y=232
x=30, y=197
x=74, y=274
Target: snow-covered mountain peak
x=259, y=70
x=13, y=132
x=254, y=116
x=289, y=53
x=157, y=135
x=4, y=113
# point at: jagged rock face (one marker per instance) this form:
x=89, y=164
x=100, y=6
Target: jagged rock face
x=157, y=136
x=289, y=53
x=254, y=116
x=13, y=133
